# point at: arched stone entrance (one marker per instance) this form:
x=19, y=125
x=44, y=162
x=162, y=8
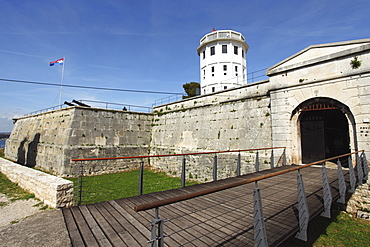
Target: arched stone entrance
x=324, y=129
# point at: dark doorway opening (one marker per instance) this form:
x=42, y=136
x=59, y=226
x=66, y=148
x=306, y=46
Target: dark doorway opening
x=324, y=134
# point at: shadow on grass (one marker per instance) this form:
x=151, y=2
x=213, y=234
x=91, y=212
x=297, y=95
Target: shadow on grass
x=316, y=227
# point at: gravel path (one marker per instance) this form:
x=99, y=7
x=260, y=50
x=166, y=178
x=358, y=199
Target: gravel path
x=23, y=224
x=12, y=212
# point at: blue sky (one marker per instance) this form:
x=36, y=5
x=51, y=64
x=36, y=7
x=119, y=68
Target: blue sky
x=148, y=45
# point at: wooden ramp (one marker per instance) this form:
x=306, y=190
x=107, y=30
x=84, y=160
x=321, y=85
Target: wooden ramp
x=223, y=218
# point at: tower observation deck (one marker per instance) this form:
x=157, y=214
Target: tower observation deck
x=222, y=60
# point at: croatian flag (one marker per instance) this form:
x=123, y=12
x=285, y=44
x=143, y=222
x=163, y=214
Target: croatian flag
x=59, y=61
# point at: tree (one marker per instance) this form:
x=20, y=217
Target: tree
x=191, y=89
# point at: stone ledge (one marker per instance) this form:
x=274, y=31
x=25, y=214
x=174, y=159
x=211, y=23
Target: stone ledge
x=53, y=191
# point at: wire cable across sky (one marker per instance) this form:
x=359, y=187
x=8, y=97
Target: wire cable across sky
x=88, y=87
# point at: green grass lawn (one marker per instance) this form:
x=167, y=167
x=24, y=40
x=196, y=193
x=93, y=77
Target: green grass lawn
x=346, y=231
x=12, y=190
x=341, y=230
x=125, y=184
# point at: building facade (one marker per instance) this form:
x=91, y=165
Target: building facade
x=316, y=104
x=222, y=56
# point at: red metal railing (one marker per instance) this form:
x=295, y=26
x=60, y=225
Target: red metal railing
x=215, y=169
x=182, y=154
x=260, y=235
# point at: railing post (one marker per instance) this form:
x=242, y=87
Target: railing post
x=183, y=174
x=303, y=213
x=238, y=165
x=284, y=157
x=272, y=165
x=365, y=166
x=360, y=172
x=352, y=176
x=257, y=165
x=160, y=230
x=342, y=184
x=141, y=178
x=80, y=176
x=327, y=194
x=215, y=168
x=157, y=227
x=260, y=236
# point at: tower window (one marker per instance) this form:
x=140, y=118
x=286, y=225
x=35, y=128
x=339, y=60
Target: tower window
x=225, y=87
x=236, y=50
x=212, y=50
x=213, y=69
x=224, y=48
x=213, y=89
x=242, y=53
x=204, y=54
x=225, y=67
x=236, y=68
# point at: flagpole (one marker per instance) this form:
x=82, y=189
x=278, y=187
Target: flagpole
x=61, y=84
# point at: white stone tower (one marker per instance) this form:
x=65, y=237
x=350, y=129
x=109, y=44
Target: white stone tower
x=222, y=61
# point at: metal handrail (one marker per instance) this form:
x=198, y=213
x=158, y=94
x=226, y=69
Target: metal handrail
x=182, y=154
x=168, y=201
x=147, y=108
x=51, y=108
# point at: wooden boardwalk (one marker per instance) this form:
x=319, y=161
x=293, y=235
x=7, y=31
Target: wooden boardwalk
x=223, y=218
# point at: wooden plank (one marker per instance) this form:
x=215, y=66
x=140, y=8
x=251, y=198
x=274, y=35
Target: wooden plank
x=107, y=229
x=72, y=228
x=209, y=217
x=145, y=218
x=135, y=234
x=118, y=228
x=94, y=227
x=220, y=218
x=83, y=227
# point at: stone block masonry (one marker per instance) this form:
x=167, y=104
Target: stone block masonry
x=53, y=191
x=226, y=120
x=50, y=140
x=268, y=113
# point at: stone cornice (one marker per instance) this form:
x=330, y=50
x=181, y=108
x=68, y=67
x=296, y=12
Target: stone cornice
x=276, y=69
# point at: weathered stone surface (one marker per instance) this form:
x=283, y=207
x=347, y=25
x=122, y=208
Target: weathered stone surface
x=359, y=203
x=53, y=191
x=50, y=140
x=260, y=114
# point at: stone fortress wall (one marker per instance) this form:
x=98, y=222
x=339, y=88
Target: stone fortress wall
x=235, y=119
x=50, y=140
x=256, y=115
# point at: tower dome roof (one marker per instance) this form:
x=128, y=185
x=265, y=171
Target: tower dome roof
x=219, y=35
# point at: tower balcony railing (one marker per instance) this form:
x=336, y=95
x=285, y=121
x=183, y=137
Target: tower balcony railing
x=221, y=35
